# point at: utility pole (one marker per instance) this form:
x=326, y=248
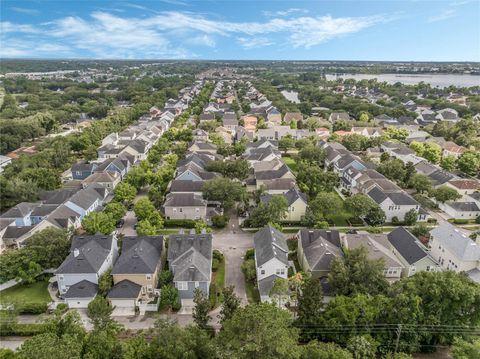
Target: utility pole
x=399, y=332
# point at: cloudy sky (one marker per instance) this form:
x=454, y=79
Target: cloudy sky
x=181, y=29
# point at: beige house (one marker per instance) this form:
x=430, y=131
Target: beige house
x=185, y=206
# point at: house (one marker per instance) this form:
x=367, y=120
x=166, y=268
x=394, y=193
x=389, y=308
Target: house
x=281, y=173
x=184, y=206
x=370, y=132
x=20, y=213
x=411, y=253
x=250, y=123
x=82, y=170
x=190, y=260
x=377, y=247
x=461, y=210
x=297, y=204
x=108, y=180
x=200, y=135
x=124, y=296
x=452, y=149
x=138, y=149
x=4, y=162
x=316, y=249
x=394, y=204
x=139, y=263
x=271, y=259
x=203, y=147
x=273, y=115
x=210, y=116
x=185, y=186
x=453, y=249
x=80, y=294
x=225, y=134
x=262, y=155
x=121, y=165
x=338, y=116
x=85, y=201
x=230, y=121
x=89, y=258
x=447, y=114
x=292, y=117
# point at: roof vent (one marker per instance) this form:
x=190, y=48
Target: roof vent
x=76, y=252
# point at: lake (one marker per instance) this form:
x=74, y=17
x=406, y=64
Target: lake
x=435, y=80
x=291, y=96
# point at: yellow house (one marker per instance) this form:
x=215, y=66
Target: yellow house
x=297, y=204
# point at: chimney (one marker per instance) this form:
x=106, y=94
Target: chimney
x=76, y=252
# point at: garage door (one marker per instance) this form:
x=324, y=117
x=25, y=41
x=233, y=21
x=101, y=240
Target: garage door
x=78, y=303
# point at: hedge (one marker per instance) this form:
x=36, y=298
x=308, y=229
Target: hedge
x=23, y=329
x=460, y=221
x=181, y=223
x=32, y=308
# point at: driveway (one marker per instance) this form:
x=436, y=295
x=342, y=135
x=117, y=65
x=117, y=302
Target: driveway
x=127, y=228
x=233, y=246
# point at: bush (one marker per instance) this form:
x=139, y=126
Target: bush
x=181, y=223
x=395, y=221
x=432, y=220
x=32, y=308
x=165, y=277
x=477, y=220
x=212, y=295
x=460, y=221
x=215, y=264
x=62, y=307
x=250, y=254
x=220, y=221
x=23, y=329
x=375, y=230
x=217, y=255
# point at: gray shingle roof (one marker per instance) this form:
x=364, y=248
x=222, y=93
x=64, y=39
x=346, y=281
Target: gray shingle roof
x=320, y=247
x=464, y=206
x=125, y=289
x=57, y=197
x=191, y=256
x=377, y=195
x=85, y=198
x=265, y=285
x=140, y=255
x=87, y=254
x=407, y=245
x=184, y=200
x=270, y=243
x=457, y=242
x=20, y=210
x=186, y=186
x=82, y=289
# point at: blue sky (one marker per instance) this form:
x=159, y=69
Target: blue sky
x=180, y=29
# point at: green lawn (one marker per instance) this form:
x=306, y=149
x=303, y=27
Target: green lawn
x=220, y=276
x=291, y=163
x=26, y=293
x=253, y=295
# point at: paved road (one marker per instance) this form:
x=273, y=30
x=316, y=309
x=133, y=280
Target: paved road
x=233, y=246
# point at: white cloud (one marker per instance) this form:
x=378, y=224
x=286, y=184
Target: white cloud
x=253, y=42
x=444, y=15
x=285, y=12
x=202, y=40
x=8, y=27
x=25, y=11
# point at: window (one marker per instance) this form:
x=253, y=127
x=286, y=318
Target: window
x=197, y=209
x=280, y=271
x=174, y=210
x=262, y=271
x=182, y=285
x=61, y=276
x=197, y=284
x=180, y=210
x=148, y=276
x=149, y=289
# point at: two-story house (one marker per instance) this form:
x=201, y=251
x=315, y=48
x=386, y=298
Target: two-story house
x=184, y=206
x=89, y=258
x=297, y=204
x=394, y=204
x=271, y=259
x=190, y=260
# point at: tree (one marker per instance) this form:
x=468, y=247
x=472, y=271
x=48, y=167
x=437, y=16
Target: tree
x=359, y=205
x=420, y=183
x=432, y=152
x=145, y=228
x=249, y=270
x=274, y=337
x=375, y=216
x=325, y=204
x=125, y=192
x=144, y=209
x=418, y=147
x=310, y=307
x=95, y=222
x=169, y=298
x=105, y=283
x=201, y=309
x=99, y=311
x=224, y=190
x=312, y=154
x=49, y=346
x=230, y=304
x=469, y=163
x=313, y=180
x=443, y=194
x=420, y=230
x=355, y=273
x=399, y=134
x=362, y=347
x=271, y=212
x=448, y=163
x=319, y=350
x=355, y=142
x=279, y=290
x=286, y=142
x=393, y=169
x=116, y=210
x=411, y=217
x=466, y=349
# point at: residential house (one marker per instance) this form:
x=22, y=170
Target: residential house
x=108, y=180
x=316, y=249
x=394, y=204
x=447, y=114
x=297, y=204
x=185, y=206
x=200, y=135
x=338, y=116
x=85, y=201
x=453, y=249
x=139, y=263
x=230, y=121
x=182, y=186
x=89, y=258
x=292, y=117
x=190, y=260
x=250, y=123
x=82, y=170
x=271, y=259
x=273, y=115
x=225, y=134
x=377, y=247
x=80, y=294
x=461, y=210
x=281, y=173
x=203, y=147
x=411, y=253
x=452, y=149
x=20, y=213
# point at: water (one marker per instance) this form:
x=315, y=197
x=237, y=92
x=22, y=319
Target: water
x=435, y=80
x=291, y=96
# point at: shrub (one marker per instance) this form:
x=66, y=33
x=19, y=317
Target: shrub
x=33, y=308
x=217, y=255
x=23, y=329
x=212, y=295
x=460, y=221
x=432, y=220
x=182, y=223
x=220, y=221
x=477, y=220
x=250, y=254
x=395, y=221
x=374, y=230
x=165, y=278
x=62, y=307
x=215, y=264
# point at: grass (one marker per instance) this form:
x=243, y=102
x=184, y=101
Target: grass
x=253, y=295
x=36, y=293
x=291, y=163
x=218, y=278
